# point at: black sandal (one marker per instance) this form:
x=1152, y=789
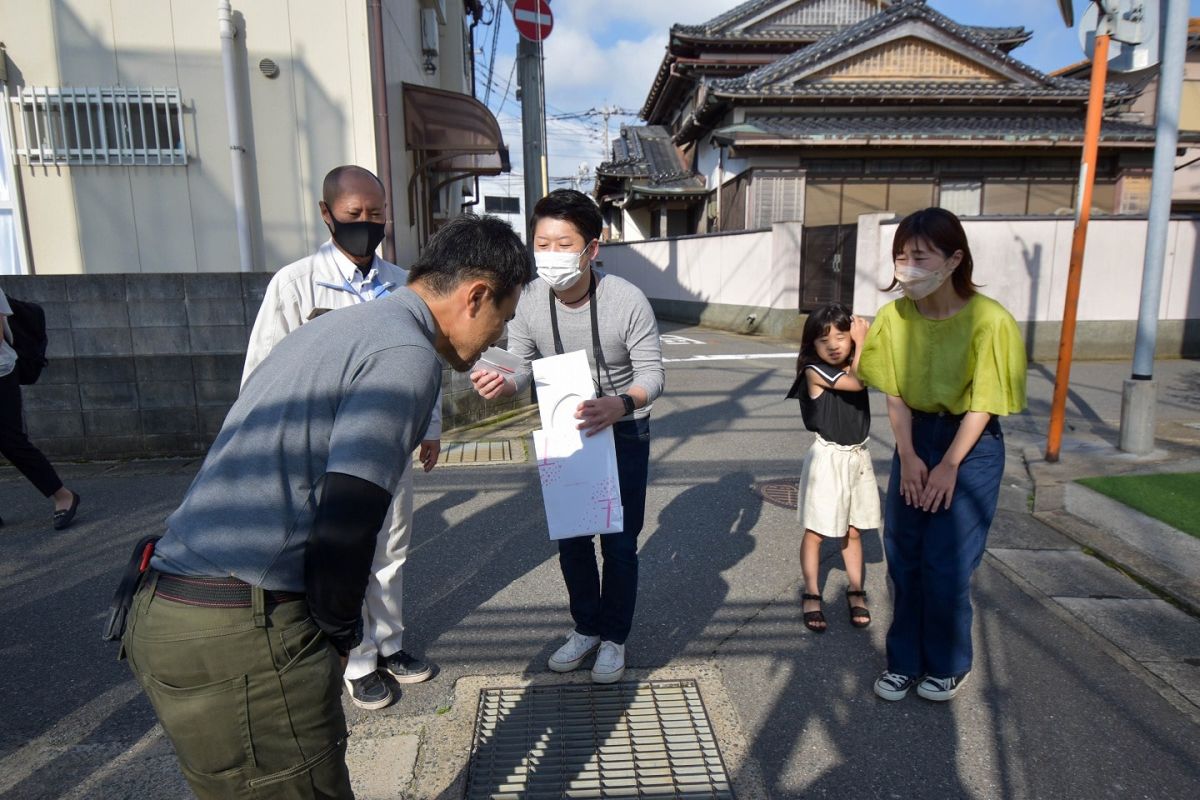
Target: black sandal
x=860, y=616
x=814, y=620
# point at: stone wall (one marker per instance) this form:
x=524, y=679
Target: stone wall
x=145, y=365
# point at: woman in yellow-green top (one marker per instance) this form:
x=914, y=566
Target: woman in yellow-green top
x=951, y=362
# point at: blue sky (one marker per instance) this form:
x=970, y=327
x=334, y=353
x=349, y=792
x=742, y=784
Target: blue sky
x=605, y=53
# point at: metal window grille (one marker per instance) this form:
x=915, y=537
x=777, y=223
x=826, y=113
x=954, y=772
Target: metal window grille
x=97, y=126
x=775, y=198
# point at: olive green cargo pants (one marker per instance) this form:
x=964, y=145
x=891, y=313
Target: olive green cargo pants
x=250, y=697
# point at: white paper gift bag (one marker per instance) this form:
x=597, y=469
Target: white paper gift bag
x=580, y=487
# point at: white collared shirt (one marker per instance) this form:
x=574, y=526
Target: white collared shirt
x=326, y=279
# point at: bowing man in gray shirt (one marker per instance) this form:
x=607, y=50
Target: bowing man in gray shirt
x=255, y=591
x=572, y=306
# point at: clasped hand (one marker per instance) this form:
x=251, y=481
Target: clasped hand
x=930, y=490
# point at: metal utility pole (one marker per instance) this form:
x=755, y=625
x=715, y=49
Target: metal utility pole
x=1139, y=391
x=1087, y=178
x=533, y=115
x=531, y=85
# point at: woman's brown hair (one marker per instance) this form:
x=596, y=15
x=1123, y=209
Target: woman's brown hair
x=942, y=229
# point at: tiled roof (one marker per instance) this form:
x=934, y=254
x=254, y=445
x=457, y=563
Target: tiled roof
x=982, y=127
x=713, y=28
x=759, y=80
x=645, y=154
x=813, y=33
x=1058, y=88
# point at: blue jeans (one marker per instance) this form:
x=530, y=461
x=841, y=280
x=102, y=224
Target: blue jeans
x=604, y=608
x=931, y=555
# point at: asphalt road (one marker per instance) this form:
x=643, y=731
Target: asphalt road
x=1046, y=713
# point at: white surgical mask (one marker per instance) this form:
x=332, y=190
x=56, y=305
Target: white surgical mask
x=919, y=283
x=560, y=270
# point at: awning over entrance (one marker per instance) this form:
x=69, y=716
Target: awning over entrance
x=452, y=136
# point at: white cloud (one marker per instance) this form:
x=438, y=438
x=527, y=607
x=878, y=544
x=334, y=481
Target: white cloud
x=581, y=74
x=602, y=15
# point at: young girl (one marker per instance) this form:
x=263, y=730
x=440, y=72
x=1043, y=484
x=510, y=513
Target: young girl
x=838, y=494
x=951, y=361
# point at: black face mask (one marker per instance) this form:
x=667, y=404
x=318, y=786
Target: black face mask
x=359, y=239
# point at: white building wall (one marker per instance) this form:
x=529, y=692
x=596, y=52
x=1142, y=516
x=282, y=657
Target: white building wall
x=315, y=115
x=732, y=269
x=1024, y=264
x=405, y=64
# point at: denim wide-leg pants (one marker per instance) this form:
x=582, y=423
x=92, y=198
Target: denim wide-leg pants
x=931, y=555
x=604, y=606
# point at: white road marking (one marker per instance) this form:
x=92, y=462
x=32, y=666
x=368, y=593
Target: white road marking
x=729, y=357
x=671, y=338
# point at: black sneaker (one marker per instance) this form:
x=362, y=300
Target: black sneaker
x=941, y=689
x=370, y=691
x=893, y=686
x=405, y=668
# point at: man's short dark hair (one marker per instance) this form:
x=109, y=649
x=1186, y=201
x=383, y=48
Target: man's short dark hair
x=471, y=247
x=573, y=207
x=331, y=187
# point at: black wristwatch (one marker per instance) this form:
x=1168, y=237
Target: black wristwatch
x=628, y=401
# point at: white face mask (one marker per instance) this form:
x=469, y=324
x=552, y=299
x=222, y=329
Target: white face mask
x=919, y=283
x=560, y=270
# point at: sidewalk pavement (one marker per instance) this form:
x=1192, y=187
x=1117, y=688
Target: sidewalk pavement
x=1086, y=683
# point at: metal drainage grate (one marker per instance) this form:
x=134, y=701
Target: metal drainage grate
x=501, y=451
x=781, y=493
x=640, y=740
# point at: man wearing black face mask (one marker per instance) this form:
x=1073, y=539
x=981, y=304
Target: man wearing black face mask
x=343, y=272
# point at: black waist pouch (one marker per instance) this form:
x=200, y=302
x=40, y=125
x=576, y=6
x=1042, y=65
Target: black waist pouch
x=131, y=581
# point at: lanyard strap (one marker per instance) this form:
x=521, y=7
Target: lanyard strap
x=597, y=353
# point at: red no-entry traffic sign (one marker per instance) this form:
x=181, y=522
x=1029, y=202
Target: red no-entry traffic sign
x=533, y=19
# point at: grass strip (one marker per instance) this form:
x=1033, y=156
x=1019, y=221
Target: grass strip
x=1171, y=497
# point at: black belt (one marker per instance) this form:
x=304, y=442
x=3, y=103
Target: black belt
x=214, y=592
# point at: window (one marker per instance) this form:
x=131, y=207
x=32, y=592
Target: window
x=116, y=126
x=822, y=203
x=963, y=198
x=1005, y=197
x=1047, y=197
x=775, y=198
x=862, y=198
x=501, y=205
x=905, y=197
x=678, y=220
x=1189, y=106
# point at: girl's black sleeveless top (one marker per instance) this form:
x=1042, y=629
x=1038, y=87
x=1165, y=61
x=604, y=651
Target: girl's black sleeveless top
x=838, y=417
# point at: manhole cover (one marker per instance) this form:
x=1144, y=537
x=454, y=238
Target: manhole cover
x=493, y=451
x=780, y=493
x=639, y=740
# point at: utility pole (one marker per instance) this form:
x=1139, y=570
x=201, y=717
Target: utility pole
x=531, y=86
x=1139, y=391
x=1087, y=178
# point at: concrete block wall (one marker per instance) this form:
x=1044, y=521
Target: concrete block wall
x=145, y=365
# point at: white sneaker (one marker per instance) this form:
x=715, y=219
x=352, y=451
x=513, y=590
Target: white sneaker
x=572, y=654
x=610, y=663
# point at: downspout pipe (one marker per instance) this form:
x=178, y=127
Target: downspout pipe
x=383, y=135
x=237, y=151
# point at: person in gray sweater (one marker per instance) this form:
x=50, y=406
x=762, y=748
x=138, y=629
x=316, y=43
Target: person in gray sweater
x=573, y=306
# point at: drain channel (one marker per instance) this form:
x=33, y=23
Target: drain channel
x=494, y=451
x=650, y=739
